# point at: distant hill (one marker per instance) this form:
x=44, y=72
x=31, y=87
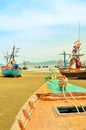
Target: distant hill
x=52, y=62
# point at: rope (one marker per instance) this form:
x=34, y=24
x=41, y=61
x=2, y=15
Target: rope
x=62, y=82
x=69, y=100
x=76, y=101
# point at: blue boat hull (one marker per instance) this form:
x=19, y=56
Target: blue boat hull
x=8, y=72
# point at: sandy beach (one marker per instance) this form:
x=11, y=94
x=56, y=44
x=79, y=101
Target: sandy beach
x=14, y=92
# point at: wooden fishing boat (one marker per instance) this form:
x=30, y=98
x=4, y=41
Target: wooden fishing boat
x=74, y=70
x=6, y=71
x=9, y=69
x=52, y=108
x=79, y=74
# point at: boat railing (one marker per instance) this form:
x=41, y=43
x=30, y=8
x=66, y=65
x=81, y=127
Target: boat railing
x=24, y=115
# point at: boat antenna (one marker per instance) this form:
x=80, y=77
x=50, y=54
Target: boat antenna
x=79, y=30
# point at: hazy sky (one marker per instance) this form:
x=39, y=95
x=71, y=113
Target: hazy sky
x=42, y=29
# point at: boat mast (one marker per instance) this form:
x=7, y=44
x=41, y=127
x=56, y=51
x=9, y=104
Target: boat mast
x=13, y=54
x=64, y=60
x=79, y=37
x=79, y=31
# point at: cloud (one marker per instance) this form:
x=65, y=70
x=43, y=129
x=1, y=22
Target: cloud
x=59, y=13
x=41, y=27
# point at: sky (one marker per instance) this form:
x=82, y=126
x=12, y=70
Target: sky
x=42, y=29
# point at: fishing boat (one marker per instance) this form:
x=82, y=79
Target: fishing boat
x=53, y=107
x=74, y=70
x=80, y=74
x=24, y=66
x=9, y=69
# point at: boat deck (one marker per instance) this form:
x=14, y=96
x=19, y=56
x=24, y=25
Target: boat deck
x=44, y=117
x=46, y=110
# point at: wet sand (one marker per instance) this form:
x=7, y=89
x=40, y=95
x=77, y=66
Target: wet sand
x=14, y=92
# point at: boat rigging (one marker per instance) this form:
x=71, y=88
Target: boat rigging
x=11, y=68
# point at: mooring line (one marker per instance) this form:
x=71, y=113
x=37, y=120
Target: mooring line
x=69, y=100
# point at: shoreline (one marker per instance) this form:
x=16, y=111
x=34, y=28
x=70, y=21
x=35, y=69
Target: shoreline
x=32, y=69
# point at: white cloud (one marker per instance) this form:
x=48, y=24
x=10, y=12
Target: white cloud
x=30, y=28
x=61, y=13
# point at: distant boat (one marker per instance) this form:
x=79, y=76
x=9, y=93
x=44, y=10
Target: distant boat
x=8, y=70
x=74, y=70
x=51, y=108
x=24, y=66
x=80, y=74
x=9, y=73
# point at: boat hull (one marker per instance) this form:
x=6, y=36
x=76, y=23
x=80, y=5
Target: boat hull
x=8, y=72
x=81, y=74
